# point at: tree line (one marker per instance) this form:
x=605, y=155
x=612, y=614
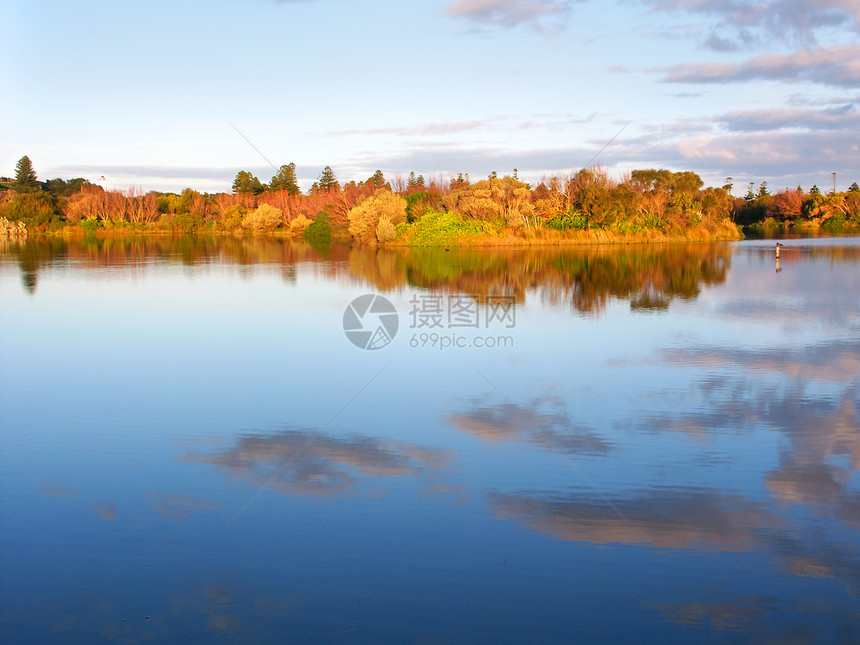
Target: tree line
x=585, y=205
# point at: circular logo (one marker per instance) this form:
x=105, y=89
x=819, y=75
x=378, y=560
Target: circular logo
x=370, y=321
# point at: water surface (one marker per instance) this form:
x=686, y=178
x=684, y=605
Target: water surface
x=651, y=443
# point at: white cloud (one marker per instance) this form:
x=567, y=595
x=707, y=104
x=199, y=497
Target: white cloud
x=507, y=13
x=743, y=23
x=845, y=117
x=837, y=65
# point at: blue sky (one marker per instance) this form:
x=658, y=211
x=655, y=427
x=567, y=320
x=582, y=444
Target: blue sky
x=152, y=94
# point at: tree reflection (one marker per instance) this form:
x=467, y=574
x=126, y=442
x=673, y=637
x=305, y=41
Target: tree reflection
x=585, y=278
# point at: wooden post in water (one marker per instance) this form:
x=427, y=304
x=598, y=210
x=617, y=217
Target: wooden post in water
x=778, y=247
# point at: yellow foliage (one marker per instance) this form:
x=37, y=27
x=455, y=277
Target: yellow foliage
x=503, y=198
x=265, y=218
x=299, y=224
x=364, y=218
x=385, y=230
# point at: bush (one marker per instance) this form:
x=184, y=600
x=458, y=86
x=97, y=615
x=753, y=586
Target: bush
x=496, y=199
x=34, y=209
x=299, y=224
x=318, y=232
x=232, y=217
x=572, y=220
x=184, y=222
x=265, y=218
x=90, y=224
x=364, y=219
x=417, y=204
x=440, y=229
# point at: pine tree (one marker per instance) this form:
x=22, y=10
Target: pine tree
x=414, y=183
x=854, y=188
x=25, y=176
x=376, y=180
x=327, y=181
x=245, y=182
x=286, y=180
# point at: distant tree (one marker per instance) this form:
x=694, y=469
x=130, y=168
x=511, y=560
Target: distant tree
x=286, y=180
x=376, y=180
x=327, y=181
x=686, y=182
x=762, y=190
x=247, y=183
x=68, y=187
x=25, y=176
x=460, y=181
x=854, y=188
x=814, y=191
x=652, y=179
x=414, y=183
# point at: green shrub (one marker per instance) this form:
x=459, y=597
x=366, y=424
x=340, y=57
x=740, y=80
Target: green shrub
x=318, y=232
x=90, y=224
x=439, y=229
x=417, y=204
x=184, y=222
x=34, y=209
x=834, y=223
x=572, y=220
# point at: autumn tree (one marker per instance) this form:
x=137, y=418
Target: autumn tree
x=686, y=182
x=653, y=180
x=786, y=205
x=505, y=199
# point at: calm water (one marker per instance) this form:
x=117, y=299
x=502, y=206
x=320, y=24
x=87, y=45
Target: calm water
x=658, y=444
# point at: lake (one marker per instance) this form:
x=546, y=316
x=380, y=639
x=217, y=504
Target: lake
x=253, y=440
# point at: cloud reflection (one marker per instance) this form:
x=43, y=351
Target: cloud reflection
x=552, y=431
x=306, y=463
x=178, y=506
x=835, y=361
x=677, y=518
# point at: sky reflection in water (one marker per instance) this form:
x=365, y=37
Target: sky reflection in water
x=192, y=449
